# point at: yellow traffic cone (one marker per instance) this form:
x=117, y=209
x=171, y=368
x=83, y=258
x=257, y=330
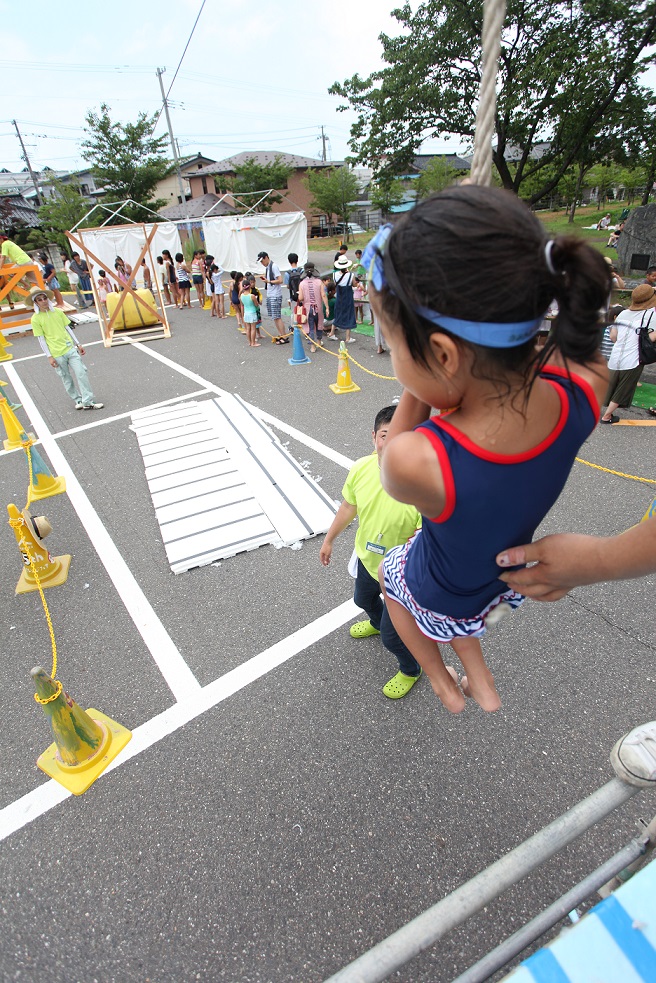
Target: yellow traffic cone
x=85, y=740
x=4, y=344
x=13, y=426
x=30, y=533
x=650, y=513
x=12, y=406
x=42, y=483
x=344, y=382
x=207, y=306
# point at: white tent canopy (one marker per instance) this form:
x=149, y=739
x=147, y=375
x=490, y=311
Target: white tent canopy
x=235, y=240
x=126, y=241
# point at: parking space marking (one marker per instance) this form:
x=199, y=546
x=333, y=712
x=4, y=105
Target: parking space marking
x=28, y=358
x=177, y=674
x=44, y=798
x=123, y=416
x=298, y=435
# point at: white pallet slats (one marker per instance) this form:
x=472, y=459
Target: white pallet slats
x=222, y=483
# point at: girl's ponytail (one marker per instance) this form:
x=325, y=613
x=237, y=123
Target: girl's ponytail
x=582, y=284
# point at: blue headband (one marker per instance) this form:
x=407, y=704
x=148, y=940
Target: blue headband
x=490, y=334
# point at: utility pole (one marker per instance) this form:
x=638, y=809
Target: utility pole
x=176, y=158
x=323, y=145
x=27, y=161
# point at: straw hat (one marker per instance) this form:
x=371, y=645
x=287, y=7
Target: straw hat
x=642, y=298
x=343, y=263
x=36, y=291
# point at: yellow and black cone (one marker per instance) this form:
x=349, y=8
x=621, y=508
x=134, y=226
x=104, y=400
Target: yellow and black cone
x=43, y=484
x=30, y=533
x=344, y=382
x=85, y=740
x=13, y=427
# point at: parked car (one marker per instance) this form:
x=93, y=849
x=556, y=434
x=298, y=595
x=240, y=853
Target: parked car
x=352, y=227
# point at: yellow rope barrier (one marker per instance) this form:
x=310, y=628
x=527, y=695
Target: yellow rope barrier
x=14, y=523
x=620, y=474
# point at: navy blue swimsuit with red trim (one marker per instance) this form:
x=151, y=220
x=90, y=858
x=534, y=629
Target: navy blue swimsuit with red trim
x=493, y=501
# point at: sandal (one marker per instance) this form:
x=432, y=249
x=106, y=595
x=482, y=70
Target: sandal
x=363, y=629
x=651, y=410
x=400, y=685
x=613, y=419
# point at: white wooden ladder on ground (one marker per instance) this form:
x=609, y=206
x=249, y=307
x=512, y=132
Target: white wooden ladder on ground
x=222, y=483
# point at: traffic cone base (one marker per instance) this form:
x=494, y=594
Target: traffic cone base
x=77, y=778
x=52, y=571
x=298, y=352
x=44, y=488
x=13, y=427
x=344, y=382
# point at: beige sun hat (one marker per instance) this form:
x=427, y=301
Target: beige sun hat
x=343, y=263
x=642, y=298
x=36, y=291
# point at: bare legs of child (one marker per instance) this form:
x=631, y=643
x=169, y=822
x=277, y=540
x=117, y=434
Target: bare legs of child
x=251, y=334
x=479, y=681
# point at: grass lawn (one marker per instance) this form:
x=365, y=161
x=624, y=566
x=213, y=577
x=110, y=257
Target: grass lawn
x=557, y=222
x=330, y=243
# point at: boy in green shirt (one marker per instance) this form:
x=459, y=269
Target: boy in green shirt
x=52, y=327
x=384, y=523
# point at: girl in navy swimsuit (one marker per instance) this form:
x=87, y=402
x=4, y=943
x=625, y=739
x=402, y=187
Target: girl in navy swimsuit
x=460, y=301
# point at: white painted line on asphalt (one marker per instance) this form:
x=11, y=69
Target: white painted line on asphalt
x=28, y=358
x=44, y=798
x=123, y=416
x=303, y=438
x=170, y=662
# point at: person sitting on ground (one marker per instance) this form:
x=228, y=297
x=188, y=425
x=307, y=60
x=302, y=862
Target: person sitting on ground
x=604, y=222
x=615, y=234
x=383, y=523
x=53, y=329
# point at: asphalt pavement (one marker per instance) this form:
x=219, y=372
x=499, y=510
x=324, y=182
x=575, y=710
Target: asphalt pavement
x=285, y=816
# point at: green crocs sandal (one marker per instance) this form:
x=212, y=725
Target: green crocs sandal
x=399, y=685
x=363, y=629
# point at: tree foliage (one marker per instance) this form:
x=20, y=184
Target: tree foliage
x=568, y=69
x=333, y=189
x=436, y=176
x=255, y=179
x=62, y=211
x=386, y=193
x=126, y=160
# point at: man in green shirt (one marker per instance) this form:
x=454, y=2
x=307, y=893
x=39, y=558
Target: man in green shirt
x=383, y=523
x=52, y=327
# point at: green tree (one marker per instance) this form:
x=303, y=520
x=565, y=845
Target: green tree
x=255, y=179
x=333, y=189
x=126, y=160
x=62, y=211
x=386, y=193
x=436, y=176
x=564, y=65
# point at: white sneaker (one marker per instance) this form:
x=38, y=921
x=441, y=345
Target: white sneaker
x=79, y=406
x=93, y=406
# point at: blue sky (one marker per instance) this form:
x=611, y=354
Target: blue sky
x=248, y=80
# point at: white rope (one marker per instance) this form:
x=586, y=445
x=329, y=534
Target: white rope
x=494, y=14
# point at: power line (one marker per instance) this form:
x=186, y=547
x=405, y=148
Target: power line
x=180, y=62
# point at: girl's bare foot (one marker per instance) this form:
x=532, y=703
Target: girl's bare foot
x=256, y=345
x=449, y=691
x=486, y=695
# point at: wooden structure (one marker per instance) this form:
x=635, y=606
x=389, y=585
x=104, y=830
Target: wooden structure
x=11, y=276
x=110, y=333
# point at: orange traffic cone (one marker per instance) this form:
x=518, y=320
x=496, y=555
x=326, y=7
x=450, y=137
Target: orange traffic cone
x=42, y=483
x=344, y=382
x=13, y=426
x=40, y=567
x=85, y=740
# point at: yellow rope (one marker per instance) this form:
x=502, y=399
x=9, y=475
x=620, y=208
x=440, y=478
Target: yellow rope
x=620, y=474
x=23, y=543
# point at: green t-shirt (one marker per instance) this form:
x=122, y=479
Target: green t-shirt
x=52, y=326
x=14, y=253
x=383, y=522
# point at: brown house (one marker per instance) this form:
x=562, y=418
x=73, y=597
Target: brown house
x=296, y=193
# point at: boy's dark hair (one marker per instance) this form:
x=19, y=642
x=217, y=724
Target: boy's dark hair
x=383, y=417
x=483, y=259
x=160, y=259
x=101, y=272
x=214, y=268
x=358, y=252
x=292, y=258
x=179, y=258
x=650, y=269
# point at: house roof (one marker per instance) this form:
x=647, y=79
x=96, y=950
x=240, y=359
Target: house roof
x=17, y=211
x=197, y=207
x=230, y=165
x=186, y=162
x=421, y=161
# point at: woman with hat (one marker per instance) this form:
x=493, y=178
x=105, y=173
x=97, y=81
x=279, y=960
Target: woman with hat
x=344, y=304
x=53, y=329
x=624, y=362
